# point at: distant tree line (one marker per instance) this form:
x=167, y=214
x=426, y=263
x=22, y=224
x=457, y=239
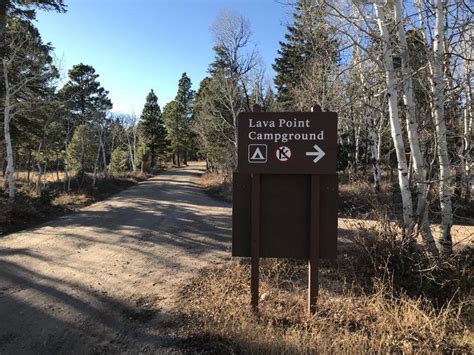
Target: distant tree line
x=71, y=129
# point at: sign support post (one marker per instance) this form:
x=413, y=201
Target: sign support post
x=255, y=242
x=255, y=236
x=314, y=230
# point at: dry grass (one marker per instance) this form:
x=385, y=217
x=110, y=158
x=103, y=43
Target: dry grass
x=378, y=296
x=347, y=321
x=216, y=186
x=48, y=177
x=72, y=200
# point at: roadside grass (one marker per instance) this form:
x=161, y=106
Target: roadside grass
x=216, y=186
x=371, y=300
x=380, y=295
x=32, y=208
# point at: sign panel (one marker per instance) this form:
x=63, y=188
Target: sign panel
x=285, y=216
x=287, y=142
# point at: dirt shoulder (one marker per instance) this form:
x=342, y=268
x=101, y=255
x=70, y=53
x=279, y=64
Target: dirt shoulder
x=105, y=279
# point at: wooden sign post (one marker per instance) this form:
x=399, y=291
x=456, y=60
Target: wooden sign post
x=255, y=242
x=285, y=191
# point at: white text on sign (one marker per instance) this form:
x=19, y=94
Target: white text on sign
x=294, y=123
x=286, y=137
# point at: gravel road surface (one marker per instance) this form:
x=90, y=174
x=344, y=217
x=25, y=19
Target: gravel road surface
x=106, y=279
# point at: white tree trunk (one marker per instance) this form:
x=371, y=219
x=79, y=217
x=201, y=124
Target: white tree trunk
x=40, y=170
x=373, y=148
x=131, y=150
x=396, y=130
x=412, y=132
x=135, y=149
x=372, y=135
x=467, y=124
x=357, y=147
x=102, y=146
x=96, y=164
x=67, y=182
x=438, y=97
x=10, y=170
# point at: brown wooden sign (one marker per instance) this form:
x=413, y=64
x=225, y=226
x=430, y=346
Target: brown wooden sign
x=285, y=216
x=285, y=191
x=287, y=142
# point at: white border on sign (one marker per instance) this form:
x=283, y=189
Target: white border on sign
x=260, y=161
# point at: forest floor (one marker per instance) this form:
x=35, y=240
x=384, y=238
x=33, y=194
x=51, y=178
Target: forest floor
x=148, y=270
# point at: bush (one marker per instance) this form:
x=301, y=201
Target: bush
x=118, y=161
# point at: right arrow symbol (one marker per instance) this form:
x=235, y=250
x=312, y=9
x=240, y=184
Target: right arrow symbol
x=318, y=154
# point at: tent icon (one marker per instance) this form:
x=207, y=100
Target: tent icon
x=257, y=153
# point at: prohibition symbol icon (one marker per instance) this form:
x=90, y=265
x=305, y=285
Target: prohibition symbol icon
x=283, y=153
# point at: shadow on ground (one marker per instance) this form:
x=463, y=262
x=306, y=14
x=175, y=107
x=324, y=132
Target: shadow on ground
x=166, y=223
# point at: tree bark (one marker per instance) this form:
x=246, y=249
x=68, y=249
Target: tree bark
x=10, y=170
x=96, y=164
x=467, y=122
x=28, y=165
x=67, y=176
x=396, y=130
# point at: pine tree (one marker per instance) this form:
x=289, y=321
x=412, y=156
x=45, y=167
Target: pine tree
x=118, y=160
x=179, y=119
x=153, y=129
x=214, y=137
x=27, y=71
x=84, y=95
x=86, y=103
x=171, y=116
x=24, y=10
x=307, y=39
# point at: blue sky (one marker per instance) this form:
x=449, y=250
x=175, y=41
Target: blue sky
x=137, y=45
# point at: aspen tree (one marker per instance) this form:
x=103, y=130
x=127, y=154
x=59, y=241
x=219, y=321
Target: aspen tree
x=396, y=130
x=438, y=97
x=412, y=133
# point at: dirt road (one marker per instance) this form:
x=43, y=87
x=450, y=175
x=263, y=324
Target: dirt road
x=105, y=279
